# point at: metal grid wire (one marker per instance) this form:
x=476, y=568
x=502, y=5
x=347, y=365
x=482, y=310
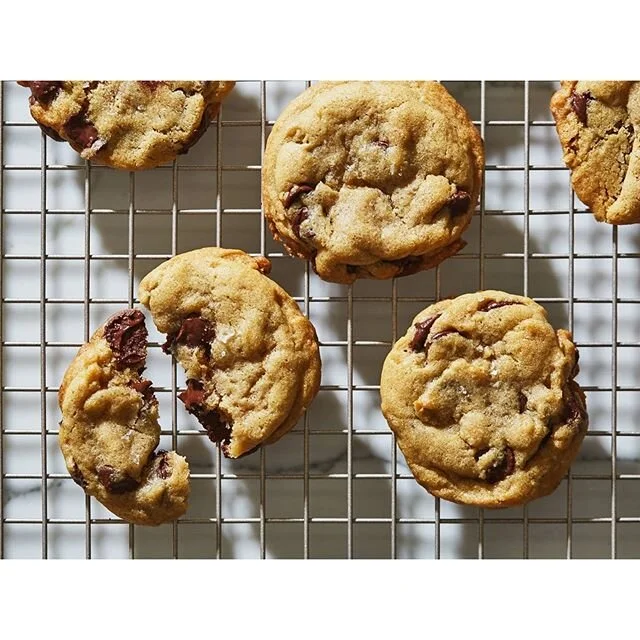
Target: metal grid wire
x=336, y=486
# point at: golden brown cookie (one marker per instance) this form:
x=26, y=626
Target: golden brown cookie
x=251, y=358
x=372, y=179
x=127, y=125
x=598, y=123
x=109, y=429
x=480, y=393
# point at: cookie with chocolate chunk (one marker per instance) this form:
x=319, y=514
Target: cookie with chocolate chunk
x=251, y=358
x=372, y=179
x=127, y=125
x=480, y=393
x=109, y=430
x=598, y=123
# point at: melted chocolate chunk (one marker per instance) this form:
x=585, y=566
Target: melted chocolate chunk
x=81, y=131
x=217, y=429
x=44, y=91
x=143, y=387
x=163, y=468
x=296, y=191
x=194, y=332
x=490, y=305
x=579, y=102
x=422, y=332
x=193, y=397
x=504, y=467
x=382, y=143
x=459, y=202
x=127, y=336
x=77, y=477
x=114, y=483
x=299, y=218
x=522, y=401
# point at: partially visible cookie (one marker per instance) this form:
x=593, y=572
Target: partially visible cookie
x=597, y=123
x=372, y=179
x=109, y=429
x=480, y=393
x=127, y=125
x=251, y=358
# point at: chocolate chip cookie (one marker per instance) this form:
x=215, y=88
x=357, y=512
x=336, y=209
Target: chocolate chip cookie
x=251, y=358
x=597, y=123
x=127, y=125
x=109, y=429
x=480, y=393
x=372, y=179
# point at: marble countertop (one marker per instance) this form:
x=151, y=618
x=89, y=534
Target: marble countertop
x=352, y=494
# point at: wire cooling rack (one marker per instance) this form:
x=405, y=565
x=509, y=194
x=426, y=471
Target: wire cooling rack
x=77, y=239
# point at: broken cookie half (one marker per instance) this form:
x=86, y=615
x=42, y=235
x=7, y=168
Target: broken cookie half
x=109, y=430
x=250, y=356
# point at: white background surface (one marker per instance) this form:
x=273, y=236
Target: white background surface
x=261, y=500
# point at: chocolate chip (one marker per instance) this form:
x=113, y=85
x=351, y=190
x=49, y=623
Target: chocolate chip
x=143, y=387
x=77, y=477
x=522, y=401
x=352, y=268
x=127, y=336
x=81, y=131
x=301, y=215
x=381, y=143
x=459, y=202
x=296, y=191
x=113, y=482
x=505, y=466
x=163, y=468
x=44, y=91
x=193, y=397
x=194, y=332
x=422, y=332
x=579, y=102
x=490, y=305
x=216, y=427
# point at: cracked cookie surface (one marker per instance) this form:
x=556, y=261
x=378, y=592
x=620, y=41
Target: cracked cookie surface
x=597, y=122
x=126, y=124
x=109, y=429
x=480, y=393
x=251, y=357
x=372, y=179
